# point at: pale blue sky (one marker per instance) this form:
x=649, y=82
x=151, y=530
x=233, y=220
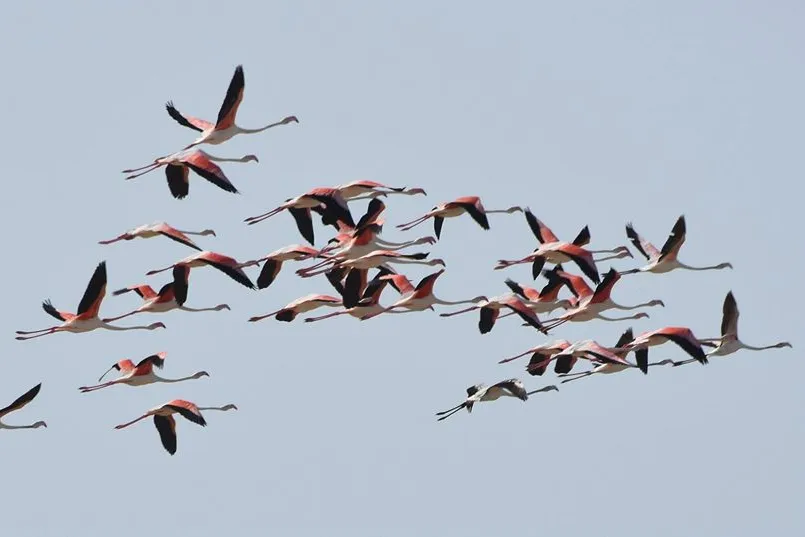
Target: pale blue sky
x=589, y=112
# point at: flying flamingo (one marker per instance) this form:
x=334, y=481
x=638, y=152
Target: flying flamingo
x=541, y=356
x=418, y=298
x=178, y=166
x=140, y=374
x=274, y=260
x=334, y=206
x=160, y=228
x=665, y=260
x=362, y=189
x=504, y=388
x=172, y=296
x=165, y=423
x=367, y=303
x=591, y=303
x=608, y=367
x=564, y=252
x=300, y=305
x=375, y=259
x=228, y=265
x=545, y=235
x=86, y=318
x=680, y=335
x=490, y=310
x=224, y=127
x=600, y=296
x=729, y=342
x=592, y=350
x=18, y=403
x=467, y=204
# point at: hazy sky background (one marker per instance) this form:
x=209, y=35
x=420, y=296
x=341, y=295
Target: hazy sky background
x=592, y=113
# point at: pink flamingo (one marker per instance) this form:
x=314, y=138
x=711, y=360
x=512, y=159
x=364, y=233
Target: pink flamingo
x=224, y=127
x=171, y=296
x=228, y=265
x=418, y=298
x=166, y=425
x=274, y=261
x=86, y=317
x=363, y=189
x=665, y=260
x=178, y=166
x=467, y=204
x=300, y=305
x=140, y=374
x=490, y=310
x=680, y=335
x=160, y=229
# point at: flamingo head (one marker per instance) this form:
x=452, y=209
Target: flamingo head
x=230, y=406
x=415, y=191
x=249, y=158
x=156, y=325
x=289, y=119
x=437, y=261
x=201, y=374
x=514, y=209
x=724, y=265
x=622, y=251
x=220, y=307
x=657, y=302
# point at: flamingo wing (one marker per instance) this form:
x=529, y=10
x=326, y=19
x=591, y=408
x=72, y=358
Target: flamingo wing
x=188, y=410
x=626, y=338
x=271, y=268
x=584, y=259
x=155, y=360
x=181, y=275
x=487, y=319
x=603, y=290
x=575, y=284
x=538, y=363
x=176, y=235
x=373, y=211
x=51, y=310
x=514, y=387
x=94, y=293
x=675, y=239
x=22, y=400
x=401, y=283
x=145, y=292
x=166, y=426
x=730, y=314
x=204, y=167
x=228, y=266
x=304, y=223
x=542, y=232
x=476, y=211
x=425, y=285
x=234, y=95
x=177, y=180
x=685, y=340
x=187, y=121
x=525, y=313
x=643, y=246
x=336, y=206
x=583, y=238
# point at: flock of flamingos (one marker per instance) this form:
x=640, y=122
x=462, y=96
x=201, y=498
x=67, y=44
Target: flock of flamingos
x=357, y=249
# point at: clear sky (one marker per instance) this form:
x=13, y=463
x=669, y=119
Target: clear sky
x=592, y=113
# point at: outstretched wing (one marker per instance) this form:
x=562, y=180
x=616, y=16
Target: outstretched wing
x=203, y=166
x=729, y=316
x=94, y=293
x=234, y=95
x=22, y=400
x=51, y=310
x=675, y=239
x=187, y=121
x=643, y=246
x=166, y=426
x=177, y=180
x=542, y=232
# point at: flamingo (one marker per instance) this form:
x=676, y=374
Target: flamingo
x=334, y=207
x=86, y=318
x=178, y=166
x=228, y=265
x=541, y=356
x=418, y=298
x=165, y=423
x=172, y=296
x=665, y=260
x=490, y=309
x=467, y=204
x=563, y=252
x=591, y=303
x=368, y=302
x=545, y=235
x=377, y=258
x=592, y=350
x=362, y=189
x=140, y=374
x=300, y=305
x=680, y=335
x=160, y=229
x=274, y=260
x=18, y=403
x=729, y=342
x=504, y=388
x=608, y=367
x=224, y=127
